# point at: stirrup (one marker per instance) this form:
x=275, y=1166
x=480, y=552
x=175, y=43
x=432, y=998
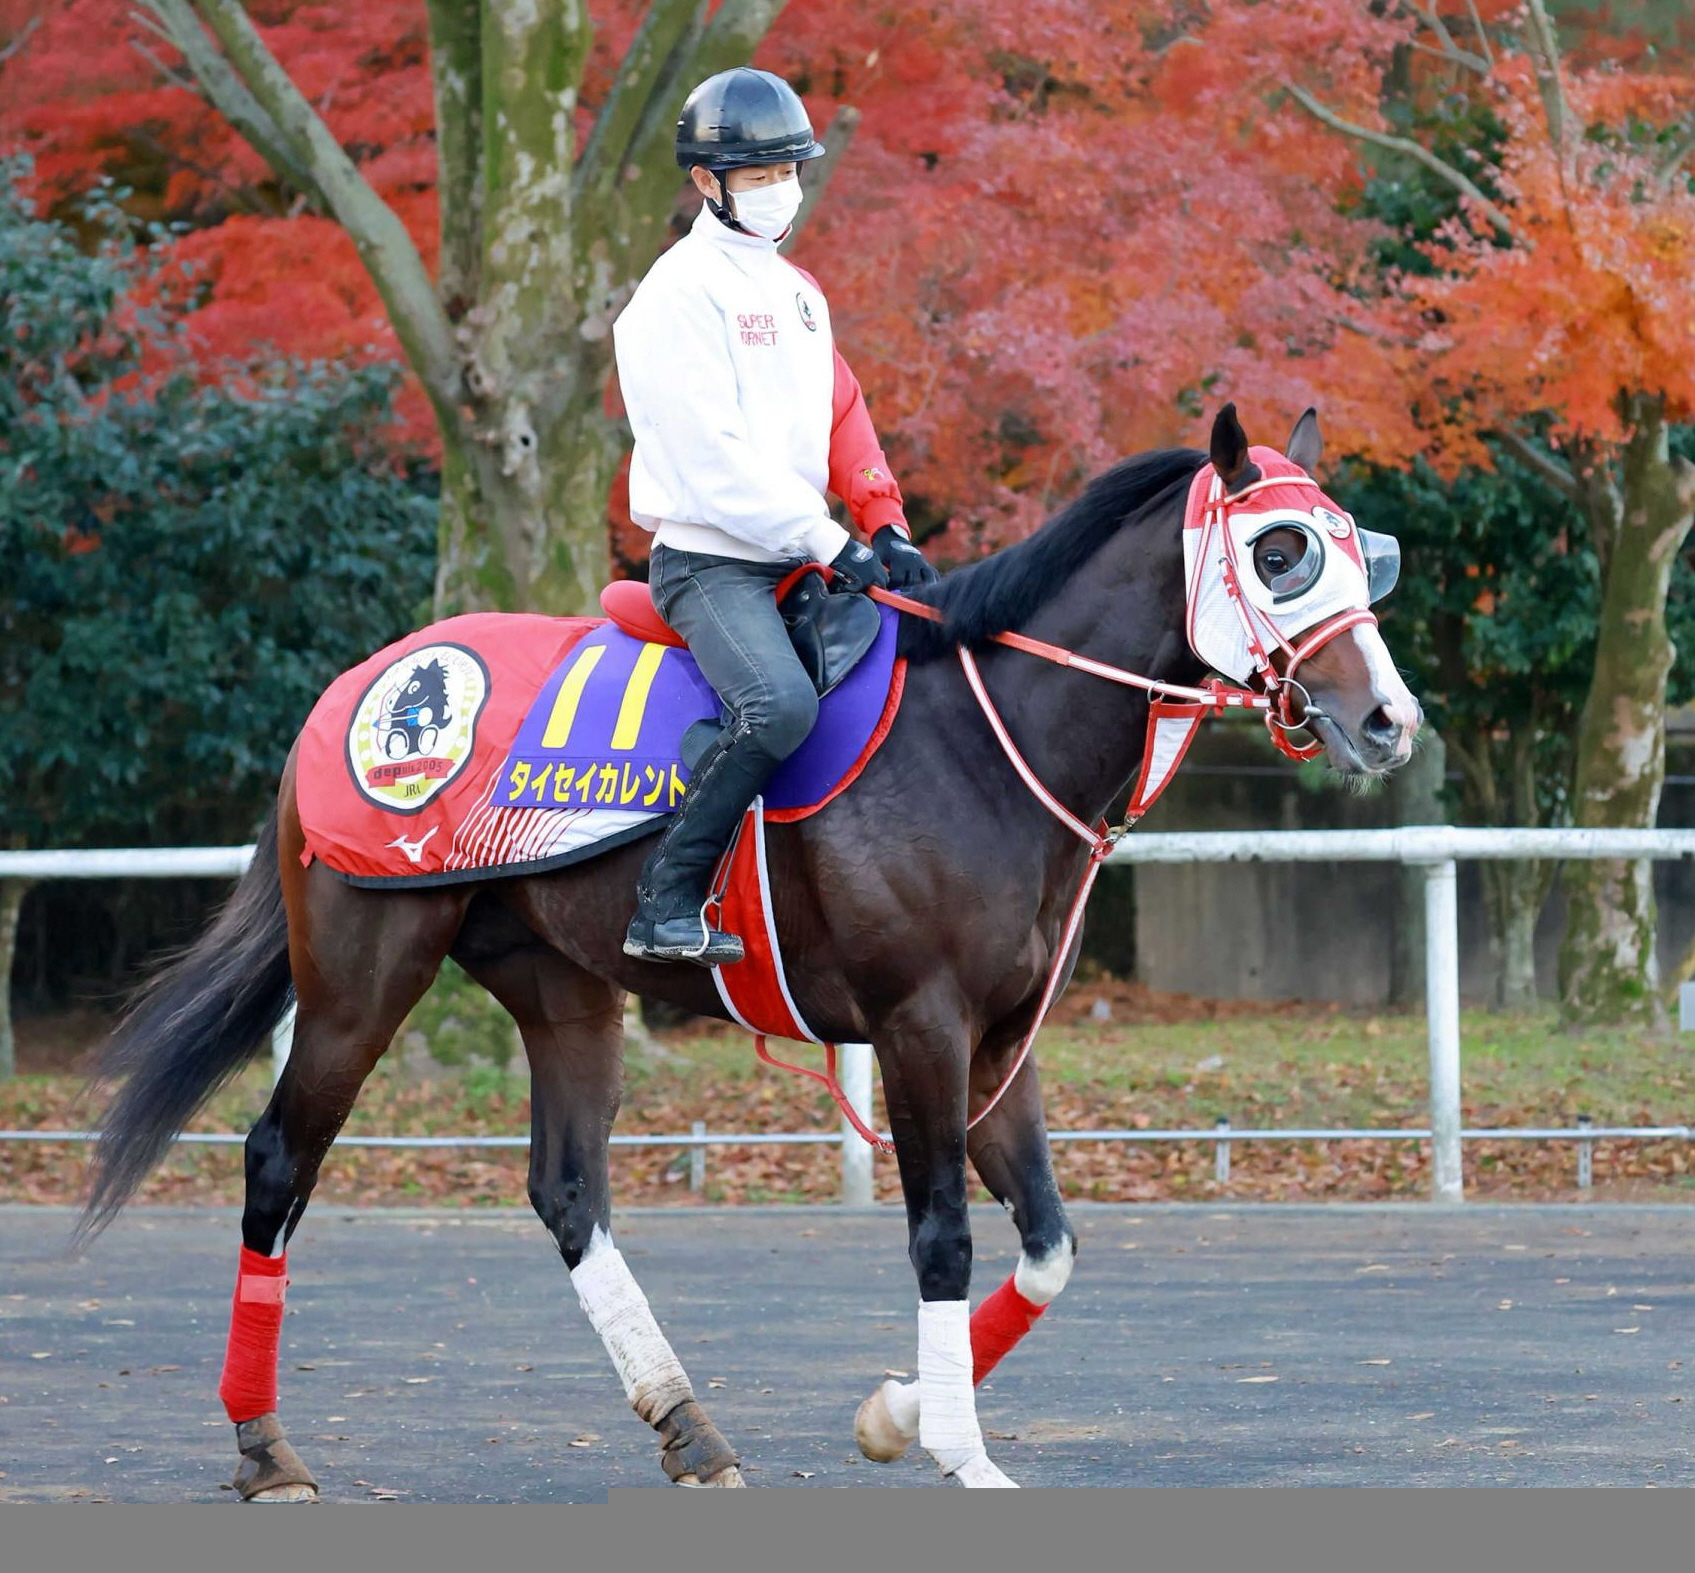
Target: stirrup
x=689, y=938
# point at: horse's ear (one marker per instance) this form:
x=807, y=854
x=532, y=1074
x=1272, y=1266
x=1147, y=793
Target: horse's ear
x=1229, y=450
x=1306, y=443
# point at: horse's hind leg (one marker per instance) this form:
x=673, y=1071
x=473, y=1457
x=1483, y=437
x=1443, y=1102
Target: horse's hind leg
x=361, y=960
x=1009, y=1150
x=572, y=1026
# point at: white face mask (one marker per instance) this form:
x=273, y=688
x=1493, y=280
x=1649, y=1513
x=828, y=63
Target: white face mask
x=768, y=210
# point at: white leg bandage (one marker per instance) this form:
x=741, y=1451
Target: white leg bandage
x=947, y=1402
x=654, y=1381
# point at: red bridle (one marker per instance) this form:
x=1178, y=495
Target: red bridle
x=1280, y=687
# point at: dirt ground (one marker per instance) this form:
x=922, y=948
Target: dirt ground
x=433, y=1356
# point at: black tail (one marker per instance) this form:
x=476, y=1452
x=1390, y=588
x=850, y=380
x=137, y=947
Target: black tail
x=191, y=1028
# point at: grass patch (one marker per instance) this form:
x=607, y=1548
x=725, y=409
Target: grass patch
x=1279, y=1067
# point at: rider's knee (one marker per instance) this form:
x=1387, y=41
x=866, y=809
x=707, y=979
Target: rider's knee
x=786, y=714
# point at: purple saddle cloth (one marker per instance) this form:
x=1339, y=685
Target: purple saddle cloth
x=606, y=729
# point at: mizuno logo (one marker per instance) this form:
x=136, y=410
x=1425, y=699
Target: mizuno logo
x=414, y=850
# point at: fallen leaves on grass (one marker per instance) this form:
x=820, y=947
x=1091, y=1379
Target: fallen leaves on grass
x=1098, y=1077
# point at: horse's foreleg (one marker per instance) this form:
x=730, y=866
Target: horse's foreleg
x=572, y=1026
x=1009, y=1150
x=925, y=1076
x=354, y=994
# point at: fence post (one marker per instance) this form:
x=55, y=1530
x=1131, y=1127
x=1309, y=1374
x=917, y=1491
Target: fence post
x=1221, y=1153
x=282, y=1041
x=697, y=1159
x=1442, y=1007
x=855, y=1077
x=1585, y=1156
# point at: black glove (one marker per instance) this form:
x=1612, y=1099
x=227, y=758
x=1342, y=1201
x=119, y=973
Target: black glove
x=857, y=569
x=908, y=567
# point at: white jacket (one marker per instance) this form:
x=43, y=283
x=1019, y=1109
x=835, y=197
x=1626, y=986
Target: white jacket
x=742, y=410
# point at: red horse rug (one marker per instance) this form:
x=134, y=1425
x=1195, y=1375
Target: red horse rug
x=501, y=743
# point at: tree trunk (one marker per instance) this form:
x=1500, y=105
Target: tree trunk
x=12, y=892
x=1416, y=792
x=1513, y=893
x=523, y=524
x=1607, y=964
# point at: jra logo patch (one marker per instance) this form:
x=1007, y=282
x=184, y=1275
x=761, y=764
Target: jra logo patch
x=414, y=728
x=807, y=319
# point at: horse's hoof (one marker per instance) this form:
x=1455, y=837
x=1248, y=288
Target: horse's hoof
x=981, y=1474
x=270, y=1470
x=729, y=1478
x=284, y=1494
x=880, y=1437
x=695, y=1452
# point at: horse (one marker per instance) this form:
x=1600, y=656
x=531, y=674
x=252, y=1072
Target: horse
x=925, y=910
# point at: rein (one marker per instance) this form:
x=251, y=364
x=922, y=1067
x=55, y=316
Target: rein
x=1175, y=712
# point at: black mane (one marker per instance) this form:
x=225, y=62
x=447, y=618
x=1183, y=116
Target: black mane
x=1004, y=591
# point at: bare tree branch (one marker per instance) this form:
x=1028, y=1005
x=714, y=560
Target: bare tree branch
x=1457, y=57
x=1550, y=79
x=1413, y=150
x=456, y=75
x=169, y=73
x=20, y=40
x=1556, y=474
x=1482, y=37
x=1448, y=49
x=1673, y=158
x=837, y=135
x=651, y=61
x=375, y=230
x=178, y=25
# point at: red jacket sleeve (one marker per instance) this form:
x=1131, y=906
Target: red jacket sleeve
x=859, y=471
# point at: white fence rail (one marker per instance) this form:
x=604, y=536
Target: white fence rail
x=1434, y=849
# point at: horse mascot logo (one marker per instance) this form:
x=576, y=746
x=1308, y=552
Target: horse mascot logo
x=414, y=729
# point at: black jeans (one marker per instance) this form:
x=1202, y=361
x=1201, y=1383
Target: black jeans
x=727, y=611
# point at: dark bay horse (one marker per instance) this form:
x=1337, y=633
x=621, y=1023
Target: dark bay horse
x=920, y=911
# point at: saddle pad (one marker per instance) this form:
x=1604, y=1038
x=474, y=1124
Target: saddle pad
x=508, y=743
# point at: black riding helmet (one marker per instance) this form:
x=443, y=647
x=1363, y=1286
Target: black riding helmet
x=742, y=117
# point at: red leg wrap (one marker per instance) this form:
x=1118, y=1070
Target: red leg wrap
x=997, y=1325
x=249, y=1387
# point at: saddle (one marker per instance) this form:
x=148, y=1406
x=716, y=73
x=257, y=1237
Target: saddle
x=830, y=633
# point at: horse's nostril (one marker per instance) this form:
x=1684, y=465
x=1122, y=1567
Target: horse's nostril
x=1379, y=727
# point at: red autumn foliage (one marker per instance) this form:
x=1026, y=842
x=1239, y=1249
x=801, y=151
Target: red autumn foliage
x=1065, y=228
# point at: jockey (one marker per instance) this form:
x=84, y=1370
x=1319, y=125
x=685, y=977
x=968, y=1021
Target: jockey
x=743, y=412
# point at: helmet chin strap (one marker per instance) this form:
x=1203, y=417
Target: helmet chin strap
x=721, y=210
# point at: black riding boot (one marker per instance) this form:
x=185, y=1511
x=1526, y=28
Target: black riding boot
x=670, y=922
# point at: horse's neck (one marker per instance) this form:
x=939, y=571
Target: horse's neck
x=1083, y=735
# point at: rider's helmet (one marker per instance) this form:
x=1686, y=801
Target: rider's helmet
x=741, y=117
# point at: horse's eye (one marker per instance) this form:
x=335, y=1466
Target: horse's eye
x=1276, y=562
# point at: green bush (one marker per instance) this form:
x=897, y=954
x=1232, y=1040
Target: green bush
x=185, y=559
